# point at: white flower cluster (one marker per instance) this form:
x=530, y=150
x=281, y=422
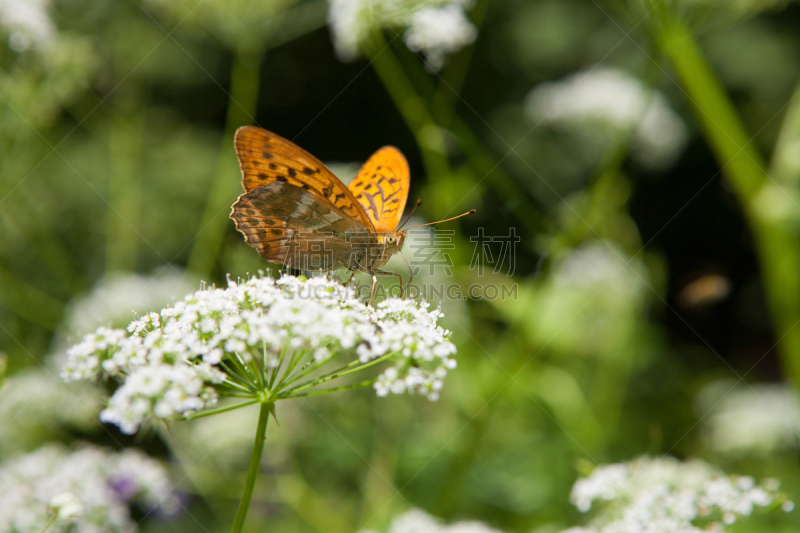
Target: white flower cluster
x=415, y=380
x=605, y=98
x=436, y=28
x=417, y=521
x=761, y=418
x=601, y=265
x=159, y=373
x=439, y=31
x=167, y=361
x=650, y=495
x=412, y=330
x=87, y=490
x=27, y=23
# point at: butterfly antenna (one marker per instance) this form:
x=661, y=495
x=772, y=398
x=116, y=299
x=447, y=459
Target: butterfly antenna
x=410, y=214
x=471, y=211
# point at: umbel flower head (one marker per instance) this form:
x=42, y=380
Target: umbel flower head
x=262, y=340
x=418, y=521
x=82, y=490
x=603, y=101
x=436, y=28
x=664, y=494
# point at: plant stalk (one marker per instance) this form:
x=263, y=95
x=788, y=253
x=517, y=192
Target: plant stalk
x=411, y=106
x=777, y=246
x=482, y=162
x=49, y=523
x=252, y=471
x=242, y=102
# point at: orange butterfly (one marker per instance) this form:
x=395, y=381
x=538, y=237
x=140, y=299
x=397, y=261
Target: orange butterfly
x=296, y=212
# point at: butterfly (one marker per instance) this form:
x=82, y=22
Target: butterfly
x=297, y=213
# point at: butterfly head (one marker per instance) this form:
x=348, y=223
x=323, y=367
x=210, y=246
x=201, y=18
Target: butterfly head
x=393, y=241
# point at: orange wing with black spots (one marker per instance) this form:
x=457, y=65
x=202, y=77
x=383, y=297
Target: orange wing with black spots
x=265, y=158
x=381, y=187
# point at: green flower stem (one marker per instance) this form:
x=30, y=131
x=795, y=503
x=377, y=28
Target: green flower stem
x=334, y=375
x=273, y=372
x=718, y=117
x=245, y=73
x=234, y=375
x=231, y=394
x=411, y=106
x=235, y=385
x=276, y=370
x=219, y=410
x=455, y=72
x=256, y=371
x=308, y=369
x=488, y=168
x=482, y=162
x=358, y=385
x=50, y=523
x=294, y=361
x=244, y=371
x=252, y=471
x=778, y=248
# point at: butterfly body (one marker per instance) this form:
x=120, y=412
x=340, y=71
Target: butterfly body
x=297, y=213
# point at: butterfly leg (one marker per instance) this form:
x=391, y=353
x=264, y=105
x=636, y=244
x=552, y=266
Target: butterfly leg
x=403, y=289
x=374, y=284
x=398, y=276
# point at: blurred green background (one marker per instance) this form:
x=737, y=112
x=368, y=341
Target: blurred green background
x=647, y=153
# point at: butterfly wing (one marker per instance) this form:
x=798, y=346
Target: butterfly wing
x=381, y=188
x=265, y=158
x=290, y=226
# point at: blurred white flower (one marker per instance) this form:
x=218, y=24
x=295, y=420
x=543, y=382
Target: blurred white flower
x=35, y=404
x=600, y=265
x=651, y=495
x=350, y=22
x=88, y=490
x=604, y=99
x=240, y=24
x=417, y=521
x=119, y=295
x=27, y=23
x=745, y=419
x=440, y=31
x=66, y=506
x=116, y=299
x=173, y=363
x=58, y=69
x=593, y=301
x=435, y=28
